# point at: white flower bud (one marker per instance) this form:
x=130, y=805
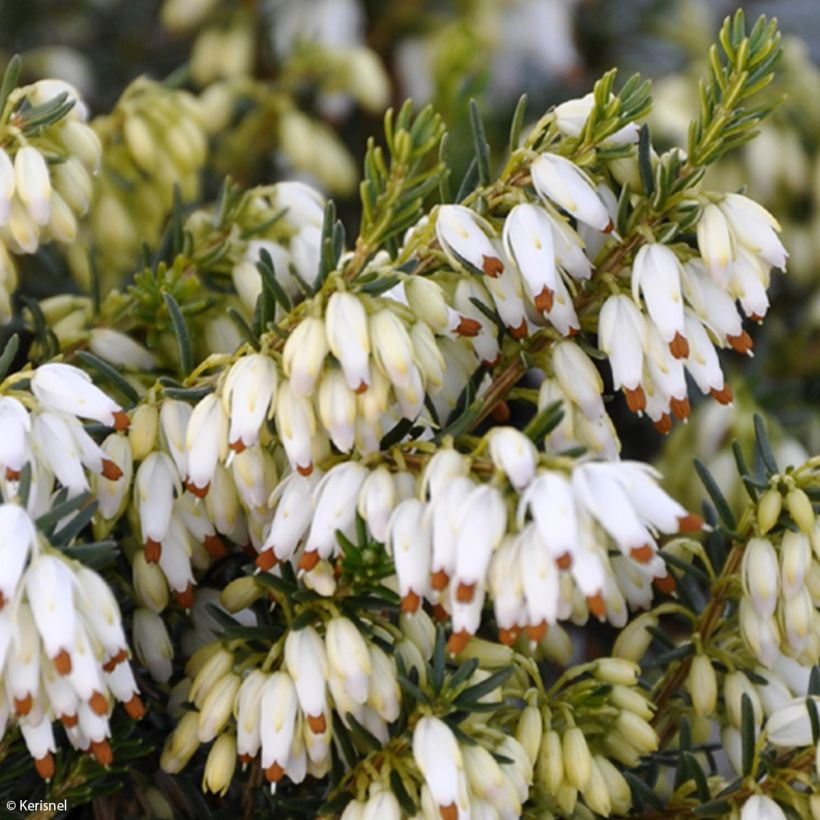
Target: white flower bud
x=635, y=638
x=515, y=454
x=348, y=339
x=716, y=244
x=278, y=712
x=622, y=337
x=18, y=540
x=637, y=732
x=409, y=540
x=153, y=646
x=579, y=378
x=32, y=183
x=337, y=410
x=795, y=560
x=247, y=395
x=462, y=237
x=304, y=354
x=768, y=510
x=296, y=425
x=206, y=443
x=801, y=510
x=439, y=759
x=760, y=807
x=306, y=662
x=735, y=685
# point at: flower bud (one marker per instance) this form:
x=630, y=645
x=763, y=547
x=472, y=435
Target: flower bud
x=795, y=561
x=761, y=575
x=181, y=744
x=220, y=765
x=152, y=645
x=768, y=510
x=240, y=593
x=801, y=510
x=150, y=585
x=635, y=638
x=217, y=707
x=596, y=794
x=735, y=685
x=702, y=685
x=550, y=764
x=217, y=666
x=577, y=759
x=529, y=731
x=32, y=183
x=617, y=670
x=637, y=732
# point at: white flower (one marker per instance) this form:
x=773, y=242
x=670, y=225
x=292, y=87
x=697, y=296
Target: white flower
x=279, y=707
x=32, y=183
x=152, y=644
x=16, y=425
x=508, y=296
x=790, y=726
x=247, y=395
x=6, y=186
x=49, y=587
x=485, y=342
x=217, y=706
x=206, y=443
x=392, y=347
x=560, y=180
x=761, y=576
x=296, y=425
x=306, y=662
x=760, y=807
x=528, y=240
x=347, y=338
x=795, y=561
x=571, y=116
x=748, y=284
x=716, y=245
x=409, y=539
x=17, y=542
x=303, y=355
x=464, y=240
x=539, y=576
x=445, y=511
x=426, y=299
x=120, y=349
x=578, y=378
x=756, y=228
x=622, y=335
x=514, y=453
x=248, y=715
x=39, y=738
x=349, y=658
x=703, y=363
x=174, y=416
x=657, y=273
x=439, y=759
x=337, y=410
x=552, y=504
x=68, y=389
x=569, y=249
x=57, y=449
x=294, y=512
x=154, y=490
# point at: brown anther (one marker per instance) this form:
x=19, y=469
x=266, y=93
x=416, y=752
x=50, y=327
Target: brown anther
x=448, y=812
x=12, y=475
x=458, y=641
x=359, y=390
x=635, y=399
x=545, y=300
x=509, y=636
x=185, y=598
x=306, y=471
x=22, y=706
x=537, y=632
x=468, y=327
x=115, y=660
x=501, y=412
x=45, y=766
x=153, y=551
x=245, y=758
x=199, y=492
x=572, y=331
x=596, y=605
x=690, y=523
x=134, y=708
x=309, y=560
x=2, y=599
x=98, y=704
x=564, y=561
x=491, y=364
x=121, y=421
x=266, y=560
x=756, y=318
x=410, y=603
x=110, y=470
x=665, y=584
x=214, y=546
x=274, y=773
x=610, y=226
x=237, y=446
x=102, y=752
x=69, y=721
x=439, y=613
x=724, y=395
x=663, y=424
x=642, y=554
x=741, y=343
x=519, y=332
x=317, y=723
x=62, y=662
x=492, y=266
x=681, y=408
x=679, y=346
x=439, y=580
x=465, y=593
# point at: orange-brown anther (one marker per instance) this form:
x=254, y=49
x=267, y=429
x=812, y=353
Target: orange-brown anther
x=358, y=391
x=501, y=412
x=690, y=523
x=45, y=766
x=457, y=642
x=491, y=364
x=306, y=471
x=69, y=721
x=22, y=706
x=237, y=446
x=545, y=300
x=245, y=758
x=110, y=470
x=439, y=613
x=98, y=704
x=266, y=560
x=309, y=560
x=153, y=550
x=492, y=266
x=410, y=603
x=664, y=424
x=610, y=227
x=439, y=580
x=756, y=318
x=464, y=593
x=317, y=724
x=12, y=475
x=666, y=584
x=62, y=662
x=537, y=632
x=509, y=636
x=679, y=346
x=102, y=752
x=199, y=492
x=724, y=395
x=642, y=554
x=274, y=773
x=134, y=708
x=519, y=332
x=185, y=598
x=448, y=812
x=468, y=327
x=564, y=561
x=635, y=399
x=681, y=408
x=121, y=421
x=214, y=546
x=111, y=664
x=2, y=600
x=741, y=343
x=596, y=605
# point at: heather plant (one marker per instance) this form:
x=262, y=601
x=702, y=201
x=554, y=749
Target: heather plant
x=305, y=523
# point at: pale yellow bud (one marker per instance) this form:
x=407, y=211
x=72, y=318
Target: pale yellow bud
x=142, y=433
x=529, y=732
x=220, y=765
x=567, y=798
x=577, y=759
x=181, y=744
x=735, y=685
x=632, y=700
x=150, y=586
x=557, y=645
x=617, y=670
x=215, y=668
x=419, y=628
x=550, y=765
x=159, y=808
x=240, y=593
x=490, y=655
x=82, y=142
x=141, y=141
x=638, y=732
x=768, y=510
x=619, y=792
x=702, y=685
x=801, y=510
x=596, y=794
x=217, y=706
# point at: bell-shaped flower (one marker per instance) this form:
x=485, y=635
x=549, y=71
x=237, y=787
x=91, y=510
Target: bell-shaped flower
x=463, y=238
x=348, y=339
x=438, y=756
x=154, y=489
x=528, y=240
x=306, y=662
x=17, y=542
x=703, y=363
x=754, y=227
x=14, y=443
x=348, y=657
x=514, y=453
x=304, y=354
x=279, y=708
x=249, y=391
x=206, y=443
x=294, y=512
x=296, y=425
x=622, y=336
x=716, y=244
x=33, y=183
x=409, y=539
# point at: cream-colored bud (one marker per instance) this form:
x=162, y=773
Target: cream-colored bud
x=217, y=706
x=33, y=183
x=142, y=142
x=215, y=668
x=795, y=560
x=23, y=228
x=632, y=700
x=638, y=732
x=490, y=655
x=158, y=807
x=702, y=685
x=150, y=586
x=73, y=183
x=62, y=224
x=557, y=645
x=735, y=685
x=596, y=794
x=814, y=806
x=200, y=657
x=801, y=510
x=421, y=630
x=412, y=659
x=550, y=765
x=71, y=329
x=529, y=731
x=634, y=639
x=240, y=593
x=617, y=670
x=426, y=300
x=142, y=433
x=220, y=765
x=768, y=510
x=83, y=143
x=577, y=759
x=619, y=792
x=566, y=796
x=181, y=744
x=618, y=748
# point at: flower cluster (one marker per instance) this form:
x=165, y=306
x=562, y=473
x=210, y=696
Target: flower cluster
x=63, y=652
